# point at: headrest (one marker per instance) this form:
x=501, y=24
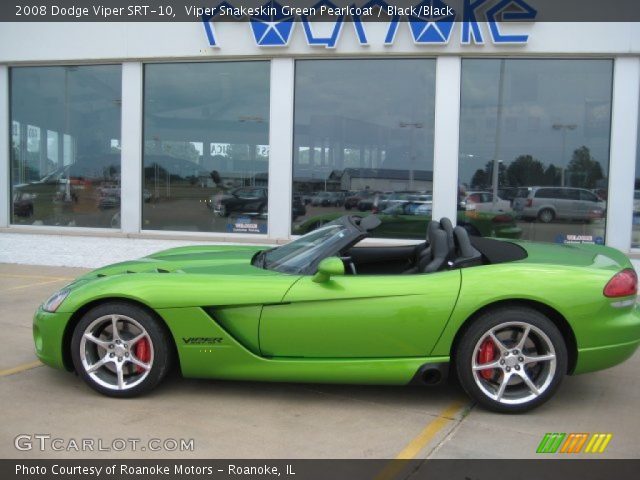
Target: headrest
x=431, y=229
x=447, y=226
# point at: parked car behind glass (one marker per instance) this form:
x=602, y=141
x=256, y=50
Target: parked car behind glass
x=328, y=199
x=241, y=200
x=354, y=198
x=483, y=202
x=298, y=208
x=563, y=203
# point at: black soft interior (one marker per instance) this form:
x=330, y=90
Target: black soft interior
x=382, y=260
x=445, y=248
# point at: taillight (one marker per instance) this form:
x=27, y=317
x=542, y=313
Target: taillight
x=529, y=202
x=623, y=284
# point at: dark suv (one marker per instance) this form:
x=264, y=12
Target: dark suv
x=241, y=200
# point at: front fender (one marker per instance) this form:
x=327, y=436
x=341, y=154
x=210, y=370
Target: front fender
x=176, y=290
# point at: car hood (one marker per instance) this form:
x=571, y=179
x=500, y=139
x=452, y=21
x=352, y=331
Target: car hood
x=205, y=259
x=183, y=277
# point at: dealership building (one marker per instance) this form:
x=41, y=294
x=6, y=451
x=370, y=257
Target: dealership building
x=261, y=130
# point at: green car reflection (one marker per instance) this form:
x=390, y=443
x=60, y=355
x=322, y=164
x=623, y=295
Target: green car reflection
x=408, y=219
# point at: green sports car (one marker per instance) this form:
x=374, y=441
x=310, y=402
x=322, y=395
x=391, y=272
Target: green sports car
x=509, y=318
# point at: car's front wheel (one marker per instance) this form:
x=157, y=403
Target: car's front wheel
x=511, y=359
x=120, y=350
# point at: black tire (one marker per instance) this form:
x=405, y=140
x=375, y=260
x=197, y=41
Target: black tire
x=546, y=215
x=544, y=375
x=158, y=337
x=223, y=211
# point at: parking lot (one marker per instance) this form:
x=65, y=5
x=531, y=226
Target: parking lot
x=257, y=420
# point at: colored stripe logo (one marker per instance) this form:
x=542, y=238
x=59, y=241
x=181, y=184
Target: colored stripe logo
x=574, y=443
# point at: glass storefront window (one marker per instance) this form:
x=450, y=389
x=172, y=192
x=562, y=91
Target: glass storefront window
x=206, y=147
x=64, y=170
x=534, y=147
x=635, y=232
x=363, y=142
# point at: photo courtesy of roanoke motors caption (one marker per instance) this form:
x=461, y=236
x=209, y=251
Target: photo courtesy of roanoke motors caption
x=392, y=315
x=154, y=470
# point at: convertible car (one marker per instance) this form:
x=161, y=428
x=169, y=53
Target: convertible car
x=509, y=318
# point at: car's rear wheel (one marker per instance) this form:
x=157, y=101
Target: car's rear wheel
x=546, y=215
x=511, y=359
x=120, y=350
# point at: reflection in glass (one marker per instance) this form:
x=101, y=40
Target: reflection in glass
x=363, y=141
x=65, y=170
x=635, y=232
x=534, y=145
x=206, y=146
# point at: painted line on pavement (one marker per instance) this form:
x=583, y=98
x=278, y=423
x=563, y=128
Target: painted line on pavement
x=37, y=284
x=15, y=275
x=428, y=433
x=20, y=368
x=430, y=430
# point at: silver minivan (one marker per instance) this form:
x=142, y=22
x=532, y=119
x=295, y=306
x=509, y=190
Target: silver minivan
x=563, y=203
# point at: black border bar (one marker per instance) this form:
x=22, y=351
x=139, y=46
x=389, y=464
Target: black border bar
x=325, y=10
x=378, y=469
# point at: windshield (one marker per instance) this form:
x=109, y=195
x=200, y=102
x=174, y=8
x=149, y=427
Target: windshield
x=296, y=256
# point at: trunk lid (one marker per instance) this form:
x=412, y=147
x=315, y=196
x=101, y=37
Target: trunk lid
x=577, y=255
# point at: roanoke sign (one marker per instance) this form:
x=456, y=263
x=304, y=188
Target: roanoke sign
x=430, y=22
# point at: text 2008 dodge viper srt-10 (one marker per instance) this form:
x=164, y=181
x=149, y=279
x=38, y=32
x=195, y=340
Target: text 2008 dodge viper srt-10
x=509, y=318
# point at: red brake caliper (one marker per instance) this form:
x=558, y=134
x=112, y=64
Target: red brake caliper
x=487, y=354
x=143, y=353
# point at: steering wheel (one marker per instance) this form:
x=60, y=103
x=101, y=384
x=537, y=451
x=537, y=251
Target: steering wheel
x=349, y=261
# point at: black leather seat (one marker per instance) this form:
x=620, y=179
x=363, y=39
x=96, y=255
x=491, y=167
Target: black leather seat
x=447, y=226
x=465, y=253
x=428, y=256
x=422, y=255
x=439, y=253
x=445, y=246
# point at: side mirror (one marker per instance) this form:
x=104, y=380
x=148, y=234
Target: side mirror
x=327, y=267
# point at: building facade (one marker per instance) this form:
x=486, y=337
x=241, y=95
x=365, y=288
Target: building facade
x=232, y=131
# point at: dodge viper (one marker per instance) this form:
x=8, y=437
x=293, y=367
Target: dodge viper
x=508, y=318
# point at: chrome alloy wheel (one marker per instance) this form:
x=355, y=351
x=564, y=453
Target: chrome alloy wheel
x=116, y=352
x=514, y=363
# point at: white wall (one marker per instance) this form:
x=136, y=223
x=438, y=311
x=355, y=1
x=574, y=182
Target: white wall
x=49, y=42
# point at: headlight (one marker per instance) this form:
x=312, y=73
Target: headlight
x=55, y=301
